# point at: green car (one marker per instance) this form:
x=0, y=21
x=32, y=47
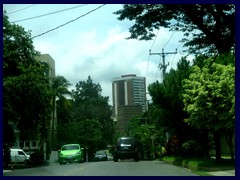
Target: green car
x=70, y=153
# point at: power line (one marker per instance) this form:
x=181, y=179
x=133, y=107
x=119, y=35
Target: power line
x=151, y=48
x=50, y=13
x=169, y=39
x=163, y=54
x=69, y=21
x=155, y=39
x=21, y=9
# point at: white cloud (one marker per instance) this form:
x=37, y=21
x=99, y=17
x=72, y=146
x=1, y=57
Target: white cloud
x=96, y=45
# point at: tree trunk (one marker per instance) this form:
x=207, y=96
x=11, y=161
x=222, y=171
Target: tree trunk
x=217, y=142
x=204, y=140
x=229, y=133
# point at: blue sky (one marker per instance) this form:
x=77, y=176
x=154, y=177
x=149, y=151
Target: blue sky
x=95, y=44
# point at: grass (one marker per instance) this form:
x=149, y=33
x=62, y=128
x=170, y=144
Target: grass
x=201, y=166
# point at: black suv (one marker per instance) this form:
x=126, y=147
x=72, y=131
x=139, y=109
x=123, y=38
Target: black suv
x=126, y=148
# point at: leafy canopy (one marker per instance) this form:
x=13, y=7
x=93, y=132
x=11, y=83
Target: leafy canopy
x=209, y=97
x=212, y=25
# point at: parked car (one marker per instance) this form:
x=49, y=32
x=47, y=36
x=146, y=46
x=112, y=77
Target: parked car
x=109, y=157
x=100, y=155
x=126, y=148
x=19, y=156
x=37, y=158
x=70, y=153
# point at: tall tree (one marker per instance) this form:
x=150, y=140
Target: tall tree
x=26, y=89
x=209, y=98
x=167, y=98
x=215, y=24
x=59, y=87
x=93, y=104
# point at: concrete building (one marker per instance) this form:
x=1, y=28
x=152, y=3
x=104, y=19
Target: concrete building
x=129, y=98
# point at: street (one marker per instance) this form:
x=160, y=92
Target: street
x=105, y=168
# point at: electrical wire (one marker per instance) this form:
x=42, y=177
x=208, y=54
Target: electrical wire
x=169, y=39
x=68, y=22
x=21, y=9
x=150, y=49
x=173, y=59
x=155, y=39
x=49, y=13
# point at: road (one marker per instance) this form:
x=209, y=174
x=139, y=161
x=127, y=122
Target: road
x=105, y=168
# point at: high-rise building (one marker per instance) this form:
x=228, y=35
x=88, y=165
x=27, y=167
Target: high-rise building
x=129, y=98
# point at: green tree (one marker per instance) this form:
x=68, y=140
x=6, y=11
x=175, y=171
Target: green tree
x=59, y=87
x=209, y=99
x=215, y=24
x=27, y=93
x=91, y=114
x=167, y=101
x=148, y=136
x=90, y=104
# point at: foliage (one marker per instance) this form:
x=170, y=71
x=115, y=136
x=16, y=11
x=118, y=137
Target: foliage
x=212, y=25
x=172, y=147
x=191, y=149
x=27, y=92
x=18, y=49
x=86, y=119
x=167, y=108
x=149, y=138
x=209, y=97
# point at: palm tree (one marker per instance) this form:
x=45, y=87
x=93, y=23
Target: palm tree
x=59, y=90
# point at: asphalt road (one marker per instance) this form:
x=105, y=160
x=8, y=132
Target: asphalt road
x=105, y=168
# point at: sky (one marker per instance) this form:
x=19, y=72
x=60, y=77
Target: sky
x=94, y=43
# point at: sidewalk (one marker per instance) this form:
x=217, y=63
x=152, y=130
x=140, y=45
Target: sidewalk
x=222, y=173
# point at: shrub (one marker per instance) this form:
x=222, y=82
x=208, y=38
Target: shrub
x=172, y=146
x=191, y=149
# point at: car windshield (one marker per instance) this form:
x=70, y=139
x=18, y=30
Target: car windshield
x=126, y=141
x=72, y=147
x=100, y=152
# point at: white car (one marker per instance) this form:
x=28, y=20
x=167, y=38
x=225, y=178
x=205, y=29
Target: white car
x=19, y=156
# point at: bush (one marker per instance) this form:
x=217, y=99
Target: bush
x=172, y=147
x=192, y=149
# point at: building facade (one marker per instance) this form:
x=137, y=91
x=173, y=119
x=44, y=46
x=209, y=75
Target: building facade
x=129, y=99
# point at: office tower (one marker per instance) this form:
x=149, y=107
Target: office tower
x=129, y=98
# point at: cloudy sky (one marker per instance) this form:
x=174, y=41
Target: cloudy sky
x=93, y=42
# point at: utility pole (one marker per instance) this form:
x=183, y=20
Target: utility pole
x=163, y=66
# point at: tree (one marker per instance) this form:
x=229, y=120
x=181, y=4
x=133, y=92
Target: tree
x=27, y=93
x=209, y=99
x=167, y=100
x=18, y=49
x=86, y=119
x=90, y=104
x=59, y=86
x=215, y=24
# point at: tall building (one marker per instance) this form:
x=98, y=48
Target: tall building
x=129, y=98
